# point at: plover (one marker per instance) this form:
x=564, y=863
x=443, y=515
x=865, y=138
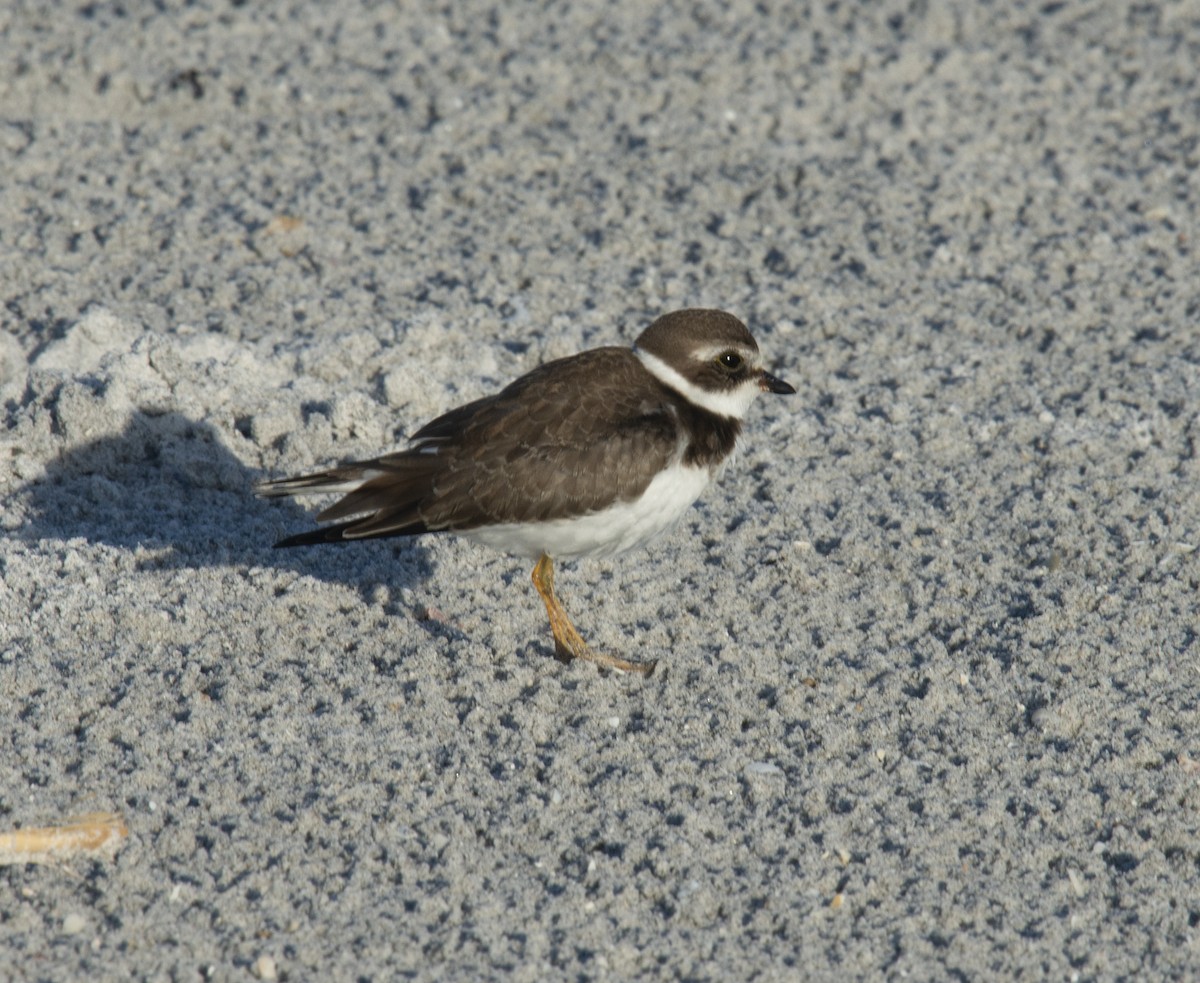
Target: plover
x=585, y=456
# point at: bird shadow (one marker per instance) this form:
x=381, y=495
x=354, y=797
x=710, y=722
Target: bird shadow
x=168, y=489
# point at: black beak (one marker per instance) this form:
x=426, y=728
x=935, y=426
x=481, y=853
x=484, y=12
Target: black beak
x=769, y=384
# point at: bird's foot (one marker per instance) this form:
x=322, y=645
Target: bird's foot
x=568, y=643
x=566, y=652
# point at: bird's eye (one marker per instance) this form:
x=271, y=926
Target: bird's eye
x=730, y=361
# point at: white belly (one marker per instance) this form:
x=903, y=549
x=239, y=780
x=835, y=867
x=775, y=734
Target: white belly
x=618, y=528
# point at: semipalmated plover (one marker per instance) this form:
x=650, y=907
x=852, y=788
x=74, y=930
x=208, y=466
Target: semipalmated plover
x=585, y=456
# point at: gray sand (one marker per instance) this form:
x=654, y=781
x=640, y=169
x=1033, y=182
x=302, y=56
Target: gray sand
x=927, y=700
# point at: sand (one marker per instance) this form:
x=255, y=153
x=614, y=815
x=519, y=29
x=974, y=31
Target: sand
x=927, y=697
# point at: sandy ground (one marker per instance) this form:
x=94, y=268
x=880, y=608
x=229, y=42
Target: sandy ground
x=927, y=704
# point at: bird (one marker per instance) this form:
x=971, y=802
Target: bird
x=582, y=457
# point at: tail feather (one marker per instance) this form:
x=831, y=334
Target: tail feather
x=382, y=498
x=326, y=534
x=334, y=481
x=379, y=525
x=382, y=493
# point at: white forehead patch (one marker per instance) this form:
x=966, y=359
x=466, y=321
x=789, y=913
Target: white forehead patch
x=729, y=403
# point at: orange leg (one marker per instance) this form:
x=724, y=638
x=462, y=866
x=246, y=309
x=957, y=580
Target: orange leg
x=568, y=643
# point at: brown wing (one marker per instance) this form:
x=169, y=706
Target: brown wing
x=569, y=438
x=565, y=439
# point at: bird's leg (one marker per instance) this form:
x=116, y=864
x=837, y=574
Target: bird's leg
x=568, y=643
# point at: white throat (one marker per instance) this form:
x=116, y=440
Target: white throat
x=730, y=403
